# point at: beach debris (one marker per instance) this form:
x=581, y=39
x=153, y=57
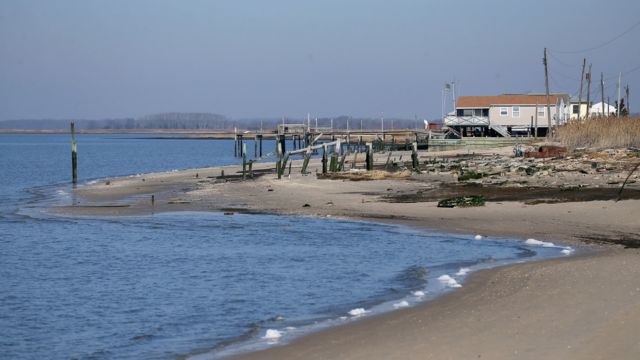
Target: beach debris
x=471, y=175
x=277, y=318
x=448, y=281
x=357, y=312
x=272, y=334
x=477, y=237
x=462, y=201
x=306, y=205
x=547, y=151
x=107, y=182
x=178, y=202
x=269, y=189
x=197, y=175
x=228, y=213
x=365, y=176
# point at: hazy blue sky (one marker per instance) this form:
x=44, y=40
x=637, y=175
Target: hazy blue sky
x=243, y=58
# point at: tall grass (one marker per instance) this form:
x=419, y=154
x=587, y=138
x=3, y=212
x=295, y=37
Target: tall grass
x=601, y=133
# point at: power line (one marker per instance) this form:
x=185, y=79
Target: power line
x=602, y=44
x=562, y=62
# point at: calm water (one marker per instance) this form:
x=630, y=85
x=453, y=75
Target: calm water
x=162, y=286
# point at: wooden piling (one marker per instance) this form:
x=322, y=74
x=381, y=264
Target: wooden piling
x=324, y=158
x=355, y=159
x=342, y=159
x=255, y=146
x=279, y=162
x=74, y=156
x=305, y=163
x=369, y=158
x=333, y=165
x=244, y=161
x=414, y=157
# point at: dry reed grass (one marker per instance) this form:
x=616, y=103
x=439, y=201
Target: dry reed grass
x=601, y=133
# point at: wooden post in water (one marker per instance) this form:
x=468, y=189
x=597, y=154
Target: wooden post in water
x=244, y=161
x=74, y=156
x=279, y=162
x=324, y=158
x=255, y=146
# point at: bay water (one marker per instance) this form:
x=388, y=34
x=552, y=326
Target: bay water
x=194, y=284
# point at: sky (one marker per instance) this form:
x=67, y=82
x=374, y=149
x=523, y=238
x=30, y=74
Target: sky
x=91, y=59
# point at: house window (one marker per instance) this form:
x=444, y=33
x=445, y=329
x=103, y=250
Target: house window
x=504, y=111
x=516, y=111
x=485, y=112
x=574, y=109
x=541, y=111
x=477, y=112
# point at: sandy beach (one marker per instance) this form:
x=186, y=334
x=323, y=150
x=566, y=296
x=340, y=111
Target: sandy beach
x=579, y=307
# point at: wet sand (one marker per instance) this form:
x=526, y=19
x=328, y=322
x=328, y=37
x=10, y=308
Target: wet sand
x=582, y=307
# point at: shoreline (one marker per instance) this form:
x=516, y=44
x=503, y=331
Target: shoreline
x=567, y=222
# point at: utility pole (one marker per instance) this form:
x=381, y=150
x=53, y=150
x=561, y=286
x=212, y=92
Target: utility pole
x=382, y=122
x=602, y=91
x=588, y=91
x=626, y=90
x=584, y=63
x=546, y=85
x=536, y=122
x=618, y=109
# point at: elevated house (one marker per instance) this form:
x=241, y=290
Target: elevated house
x=506, y=115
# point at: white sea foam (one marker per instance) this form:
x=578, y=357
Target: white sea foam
x=418, y=293
x=357, y=312
x=463, y=271
x=272, y=334
x=534, y=242
x=568, y=250
x=478, y=237
x=449, y=281
x=401, y=304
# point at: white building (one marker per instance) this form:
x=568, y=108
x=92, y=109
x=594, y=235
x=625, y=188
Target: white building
x=602, y=109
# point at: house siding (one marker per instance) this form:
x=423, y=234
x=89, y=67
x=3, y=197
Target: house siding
x=584, y=109
x=526, y=112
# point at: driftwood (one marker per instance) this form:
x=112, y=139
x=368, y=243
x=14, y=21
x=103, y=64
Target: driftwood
x=625, y=181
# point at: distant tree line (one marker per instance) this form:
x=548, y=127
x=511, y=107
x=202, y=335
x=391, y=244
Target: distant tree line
x=199, y=121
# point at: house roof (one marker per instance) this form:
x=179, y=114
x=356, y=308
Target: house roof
x=488, y=101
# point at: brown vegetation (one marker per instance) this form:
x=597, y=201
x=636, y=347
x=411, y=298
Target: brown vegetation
x=601, y=133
